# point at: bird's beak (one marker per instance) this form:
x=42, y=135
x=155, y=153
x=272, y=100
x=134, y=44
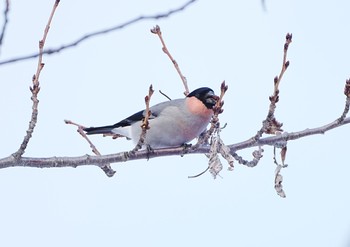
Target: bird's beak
x=211, y=100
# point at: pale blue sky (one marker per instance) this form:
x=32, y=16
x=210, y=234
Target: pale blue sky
x=154, y=203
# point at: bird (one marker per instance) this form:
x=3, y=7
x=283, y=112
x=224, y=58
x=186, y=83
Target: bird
x=172, y=123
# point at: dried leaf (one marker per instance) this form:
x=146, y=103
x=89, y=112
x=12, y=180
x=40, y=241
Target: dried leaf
x=283, y=154
x=278, y=182
x=225, y=153
x=215, y=165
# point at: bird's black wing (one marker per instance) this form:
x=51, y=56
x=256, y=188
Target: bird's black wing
x=138, y=116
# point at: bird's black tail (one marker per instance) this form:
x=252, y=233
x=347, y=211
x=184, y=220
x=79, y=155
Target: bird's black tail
x=99, y=130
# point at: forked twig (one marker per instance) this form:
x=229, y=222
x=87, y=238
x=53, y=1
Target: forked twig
x=156, y=30
x=36, y=87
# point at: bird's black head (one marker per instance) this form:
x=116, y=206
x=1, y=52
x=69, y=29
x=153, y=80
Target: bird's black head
x=206, y=95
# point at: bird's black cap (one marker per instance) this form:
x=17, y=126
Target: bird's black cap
x=206, y=95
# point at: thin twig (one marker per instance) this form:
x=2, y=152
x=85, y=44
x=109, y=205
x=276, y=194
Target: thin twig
x=82, y=133
x=106, y=167
x=199, y=174
x=270, y=124
x=145, y=123
x=166, y=96
x=156, y=30
x=218, y=107
x=77, y=42
x=6, y=12
x=36, y=87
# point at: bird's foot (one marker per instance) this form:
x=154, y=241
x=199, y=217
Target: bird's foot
x=149, y=150
x=186, y=148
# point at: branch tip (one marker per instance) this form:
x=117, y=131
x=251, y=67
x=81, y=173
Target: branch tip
x=156, y=30
x=224, y=87
x=347, y=88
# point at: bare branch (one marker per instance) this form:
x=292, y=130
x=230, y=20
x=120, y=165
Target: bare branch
x=273, y=140
x=51, y=51
x=36, y=88
x=156, y=30
x=144, y=154
x=6, y=12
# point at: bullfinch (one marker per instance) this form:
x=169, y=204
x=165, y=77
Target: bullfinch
x=172, y=123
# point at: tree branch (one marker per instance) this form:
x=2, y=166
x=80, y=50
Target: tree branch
x=51, y=51
x=100, y=161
